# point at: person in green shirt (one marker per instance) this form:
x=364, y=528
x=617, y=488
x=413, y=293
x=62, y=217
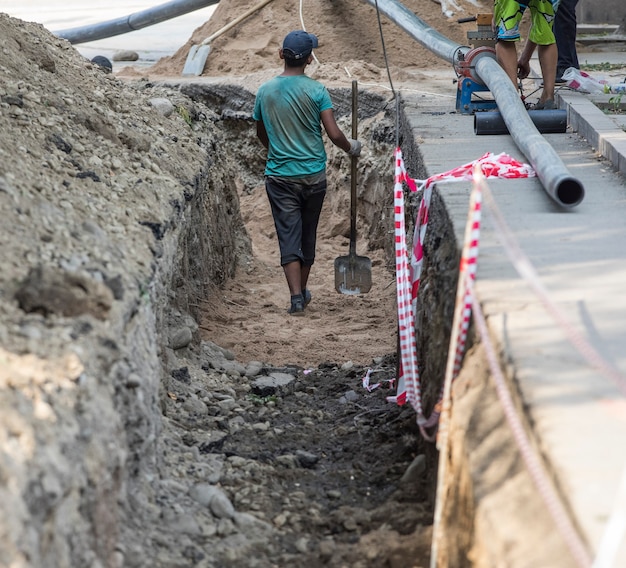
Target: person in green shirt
x=289, y=111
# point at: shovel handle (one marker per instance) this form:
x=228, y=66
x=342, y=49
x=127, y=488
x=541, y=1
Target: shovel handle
x=234, y=22
x=353, y=164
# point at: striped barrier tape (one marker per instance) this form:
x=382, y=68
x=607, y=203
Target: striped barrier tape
x=408, y=272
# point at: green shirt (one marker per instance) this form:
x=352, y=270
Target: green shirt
x=290, y=108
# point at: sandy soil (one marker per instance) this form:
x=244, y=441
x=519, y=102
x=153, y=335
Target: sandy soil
x=348, y=32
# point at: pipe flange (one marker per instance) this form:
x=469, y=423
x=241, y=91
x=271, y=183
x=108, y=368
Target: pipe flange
x=466, y=66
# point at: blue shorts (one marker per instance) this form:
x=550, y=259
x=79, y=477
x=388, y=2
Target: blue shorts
x=296, y=208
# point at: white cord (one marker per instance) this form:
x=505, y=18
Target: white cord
x=302, y=24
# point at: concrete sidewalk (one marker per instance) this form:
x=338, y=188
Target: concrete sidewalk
x=577, y=412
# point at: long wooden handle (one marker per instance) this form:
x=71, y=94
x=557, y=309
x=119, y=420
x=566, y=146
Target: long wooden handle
x=235, y=22
x=353, y=164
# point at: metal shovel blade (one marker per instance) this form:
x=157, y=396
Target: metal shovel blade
x=198, y=53
x=196, y=58
x=353, y=274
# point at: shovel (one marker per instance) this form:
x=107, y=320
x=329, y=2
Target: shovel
x=194, y=65
x=353, y=273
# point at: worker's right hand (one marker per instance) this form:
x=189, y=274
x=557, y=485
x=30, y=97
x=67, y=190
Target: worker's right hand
x=523, y=69
x=355, y=148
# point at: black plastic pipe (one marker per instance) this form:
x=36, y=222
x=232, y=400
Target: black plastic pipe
x=545, y=121
x=133, y=22
x=558, y=183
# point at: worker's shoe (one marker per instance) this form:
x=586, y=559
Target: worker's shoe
x=297, y=305
x=546, y=105
x=306, y=295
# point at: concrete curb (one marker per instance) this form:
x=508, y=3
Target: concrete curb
x=598, y=128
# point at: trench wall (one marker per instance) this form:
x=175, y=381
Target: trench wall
x=80, y=415
x=435, y=306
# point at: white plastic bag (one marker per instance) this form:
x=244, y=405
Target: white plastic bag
x=582, y=81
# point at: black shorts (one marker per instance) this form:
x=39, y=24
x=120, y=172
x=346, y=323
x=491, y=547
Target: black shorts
x=296, y=208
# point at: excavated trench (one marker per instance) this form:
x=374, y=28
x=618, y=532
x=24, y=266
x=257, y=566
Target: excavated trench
x=440, y=272
x=381, y=482
x=133, y=437
x=377, y=115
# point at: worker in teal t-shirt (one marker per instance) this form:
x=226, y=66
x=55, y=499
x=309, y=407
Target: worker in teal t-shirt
x=289, y=111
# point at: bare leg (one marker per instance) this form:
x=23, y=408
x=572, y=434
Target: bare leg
x=506, y=54
x=304, y=276
x=548, y=56
x=297, y=276
x=293, y=273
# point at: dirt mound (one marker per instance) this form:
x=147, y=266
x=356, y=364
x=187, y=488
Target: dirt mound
x=352, y=44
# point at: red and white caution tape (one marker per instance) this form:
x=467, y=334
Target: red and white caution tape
x=408, y=273
x=369, y=387
x=408, y=380
x=462, y=313
x=465, y=290
x=491, y=165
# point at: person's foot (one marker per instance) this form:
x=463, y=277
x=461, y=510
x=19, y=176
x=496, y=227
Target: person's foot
x=558, y=80
x=546, y=105
x=297, y=305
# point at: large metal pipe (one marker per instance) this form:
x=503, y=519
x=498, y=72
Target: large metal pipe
x=133, y=22
x=545, y=121
x=559, y=184
x=419, y=30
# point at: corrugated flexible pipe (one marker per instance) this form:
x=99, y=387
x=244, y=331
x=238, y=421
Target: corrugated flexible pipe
x=133, y=22
x=558, y=183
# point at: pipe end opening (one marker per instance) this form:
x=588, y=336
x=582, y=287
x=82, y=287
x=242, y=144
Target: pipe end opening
x=570, y=191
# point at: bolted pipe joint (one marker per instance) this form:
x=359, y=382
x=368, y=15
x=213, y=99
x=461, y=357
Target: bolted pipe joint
x=466, y=65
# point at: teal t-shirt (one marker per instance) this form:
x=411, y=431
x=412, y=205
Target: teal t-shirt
x=290, y=108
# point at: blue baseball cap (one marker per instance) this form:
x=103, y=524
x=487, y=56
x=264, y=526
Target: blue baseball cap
x=299, y=44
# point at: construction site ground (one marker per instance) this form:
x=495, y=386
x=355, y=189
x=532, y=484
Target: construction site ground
x=574, y=413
